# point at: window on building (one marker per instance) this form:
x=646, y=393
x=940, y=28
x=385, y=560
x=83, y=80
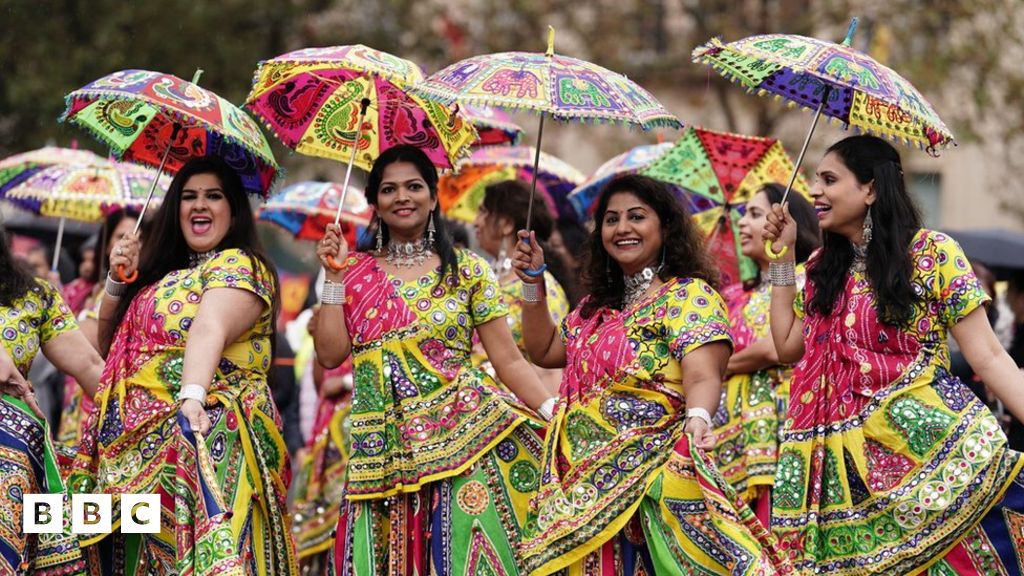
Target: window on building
x=926, y=189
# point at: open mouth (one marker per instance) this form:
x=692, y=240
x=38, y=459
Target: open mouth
x=627, y=244
x=822, y=209
x=201, y=224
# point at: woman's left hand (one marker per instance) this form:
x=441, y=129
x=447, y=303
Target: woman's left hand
x=703, y=435
x=196, y=415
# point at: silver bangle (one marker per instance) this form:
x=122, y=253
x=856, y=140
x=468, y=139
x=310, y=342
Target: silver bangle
x=530, y=292
x=700, y=413
x=547, y=409
x=782, y=273
x=333, y=293
x=115, y=289
x=192, y=392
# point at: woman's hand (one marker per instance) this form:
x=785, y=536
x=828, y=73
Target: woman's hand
x=528, y=256
x=196, y=415
x=14, y=384
x=332, y=245
x=126, y=254
x=703, y=435
x=780, y=230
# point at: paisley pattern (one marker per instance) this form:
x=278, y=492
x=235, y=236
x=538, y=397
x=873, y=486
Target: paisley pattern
x=887, y=463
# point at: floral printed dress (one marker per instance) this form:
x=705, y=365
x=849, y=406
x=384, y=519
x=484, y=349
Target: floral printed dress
x=28, y=462
x=441, y=464
x=622, y=490
x=888, y=463
x=222, y=496
x=753, y=407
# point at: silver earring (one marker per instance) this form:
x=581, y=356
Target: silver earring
x=868, y=225
x=608, y=268
x=380, y=235
x=430, y=230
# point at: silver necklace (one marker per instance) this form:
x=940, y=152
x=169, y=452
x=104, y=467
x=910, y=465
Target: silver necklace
x=637, y=285
x=198, y=258
x=860, y=257
x=407, y=254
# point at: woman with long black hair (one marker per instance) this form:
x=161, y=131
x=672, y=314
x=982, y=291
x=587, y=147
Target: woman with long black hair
x=888, y=463
x=184, y=409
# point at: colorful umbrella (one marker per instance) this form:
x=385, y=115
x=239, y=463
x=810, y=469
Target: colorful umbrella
x=562, y=87
x=493, y=126
x=717, y=173
x=461, y=193
x=351, y=102
x=837, y=80
x=305, y=209
x=584, y=196
x=161, y=120
x=16, y=169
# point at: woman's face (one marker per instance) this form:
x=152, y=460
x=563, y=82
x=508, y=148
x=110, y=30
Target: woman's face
x=631, y=232
x=88, y=263
x=403, y=201
x=491, y=230
x=751, y=225
x=840, y=200
x=205, y=213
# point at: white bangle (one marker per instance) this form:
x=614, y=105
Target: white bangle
x=530, y=292
x=547, y=408
x=700, y=413
x=192, y=392
x=333, y=293
x=115, y=289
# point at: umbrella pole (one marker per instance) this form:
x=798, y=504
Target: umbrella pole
x=533, y=194
x=149, y=198
x=772, y=255
x=363, y=105
x=56, y=249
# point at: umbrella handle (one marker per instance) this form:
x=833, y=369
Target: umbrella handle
x=334, y=264
x=126, y=279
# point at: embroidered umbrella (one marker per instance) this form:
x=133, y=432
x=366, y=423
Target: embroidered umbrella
x=567, y=89
x=351, y=103
x=716, y=173
x=584, y=196
x=306, y=208
x=460, y=194
x=161, y=120
x=493, y=126
x=835, y=80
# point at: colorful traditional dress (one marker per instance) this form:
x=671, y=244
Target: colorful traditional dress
x=753, y=407
x=319, y=483
x=441, y=465
x=622, y=491
x=889, y=464
x=27, y=459
x=222, y=496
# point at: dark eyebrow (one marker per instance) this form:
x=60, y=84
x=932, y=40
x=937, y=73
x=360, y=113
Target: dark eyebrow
x=407, y=182
x=214, y=189
x=826, y=173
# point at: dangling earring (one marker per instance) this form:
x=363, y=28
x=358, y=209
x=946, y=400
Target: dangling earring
x=662, y=263
x=380, y=234
x=430, y=230
x=868, y=225
x=608, y=268
x=502, y=263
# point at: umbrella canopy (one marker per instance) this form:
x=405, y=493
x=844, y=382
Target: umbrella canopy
x=493, y=126
x=85, y=192
x=863, y=93
x=584, y=197
x=311, y=100
x=19, y=167
x=146, y=116
x=460, y=194
x=1000, y=250
x=306, y=208
x=717, y=173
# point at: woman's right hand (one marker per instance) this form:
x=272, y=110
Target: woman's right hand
x=124, y=254
x=335, y=246
x=780, y=230
x=528, y=256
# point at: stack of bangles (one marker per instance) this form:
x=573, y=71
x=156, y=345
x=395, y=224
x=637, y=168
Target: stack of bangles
x=531, y=292
x=782, y=273
x=115, y=289
x=333, y=293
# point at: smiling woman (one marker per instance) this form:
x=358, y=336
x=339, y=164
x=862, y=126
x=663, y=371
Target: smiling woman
x=190, y=345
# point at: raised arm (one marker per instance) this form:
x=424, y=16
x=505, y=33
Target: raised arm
x=332, y=341
x=224, y=315
x=126, y=255
x=73, y=355
x=540, y=335
x=787, y=329
x=990, y=361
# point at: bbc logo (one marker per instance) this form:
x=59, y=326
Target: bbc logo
x=91, y=513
